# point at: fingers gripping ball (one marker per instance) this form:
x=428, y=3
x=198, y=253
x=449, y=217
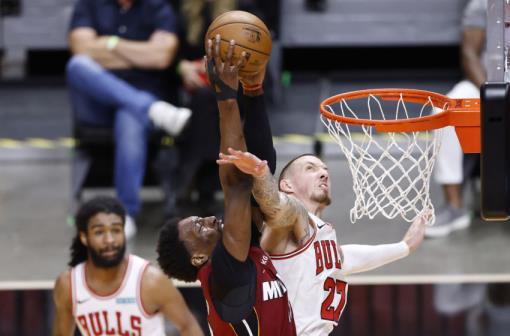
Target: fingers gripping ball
x=249, y=32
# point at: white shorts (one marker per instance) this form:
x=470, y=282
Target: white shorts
x=448, y=168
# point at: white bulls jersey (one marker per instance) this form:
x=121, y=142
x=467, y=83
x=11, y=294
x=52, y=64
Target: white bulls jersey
x=121, y=313
x=315, y=281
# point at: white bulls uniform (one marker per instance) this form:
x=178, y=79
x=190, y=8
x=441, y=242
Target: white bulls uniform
x=316, y=284
x=121, y=313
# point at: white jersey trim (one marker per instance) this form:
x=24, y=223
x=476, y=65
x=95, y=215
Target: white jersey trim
x=73, y=290
x=125, y=278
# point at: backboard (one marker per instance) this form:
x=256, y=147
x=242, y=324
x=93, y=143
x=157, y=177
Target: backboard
x=495, y=118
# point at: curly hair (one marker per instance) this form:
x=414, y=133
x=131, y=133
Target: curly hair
x=173, y=257
x=100, y=204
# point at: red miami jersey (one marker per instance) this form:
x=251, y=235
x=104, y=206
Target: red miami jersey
x=120, y=313
x=271, y=314
x=315, y=281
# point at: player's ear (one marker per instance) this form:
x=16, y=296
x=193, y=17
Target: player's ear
x=83, y=238
x=286, y=186
x=199, y=259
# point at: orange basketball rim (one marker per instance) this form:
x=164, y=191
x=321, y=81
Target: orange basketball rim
x=463, y=114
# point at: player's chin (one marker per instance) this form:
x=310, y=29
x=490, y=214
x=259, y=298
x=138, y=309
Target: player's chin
x=322, y=197
x=327, y=200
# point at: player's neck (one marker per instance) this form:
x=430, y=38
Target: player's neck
x=313, y=207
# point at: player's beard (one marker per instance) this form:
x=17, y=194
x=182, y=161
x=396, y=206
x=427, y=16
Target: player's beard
x=321, y=198
x=99, y=261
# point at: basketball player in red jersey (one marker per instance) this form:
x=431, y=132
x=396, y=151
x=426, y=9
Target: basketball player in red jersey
x=109, y=292
x=243, y=293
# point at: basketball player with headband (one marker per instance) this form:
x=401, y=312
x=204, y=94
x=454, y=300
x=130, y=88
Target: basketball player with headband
x=303, y=247
x=243, y=292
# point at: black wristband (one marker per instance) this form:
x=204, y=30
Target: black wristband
x=222, y=90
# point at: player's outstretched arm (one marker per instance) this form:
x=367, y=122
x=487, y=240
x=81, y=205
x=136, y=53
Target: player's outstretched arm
x=416, y=232
x=224, y=78
x=362, y=258
x=159, y=294
x=280, y=210
x=63, y=324
x=257, y=129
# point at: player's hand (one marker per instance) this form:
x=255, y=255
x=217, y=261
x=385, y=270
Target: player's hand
x=245, y=162
x=223, y=76
x=416, y=232
x=253, y=80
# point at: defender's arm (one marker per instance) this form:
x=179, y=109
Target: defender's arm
x=159, y=294
x=362, y=258
x=236, y=185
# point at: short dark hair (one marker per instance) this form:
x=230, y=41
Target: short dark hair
x=173, y=256
x=100, y=204
x=287, y=166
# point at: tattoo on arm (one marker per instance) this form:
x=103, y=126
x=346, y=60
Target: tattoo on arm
x=306, y=236
x=279, y=208
x=267, y=195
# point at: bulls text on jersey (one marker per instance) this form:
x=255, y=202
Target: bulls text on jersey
x=102, y=323
x=326, y=256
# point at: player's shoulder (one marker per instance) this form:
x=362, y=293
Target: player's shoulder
x=62, y=287
x=320, y=223
x=64, y=279
x=153, y=277
x=156, y=288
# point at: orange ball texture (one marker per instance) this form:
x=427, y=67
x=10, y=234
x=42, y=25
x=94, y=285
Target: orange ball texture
x=250, y=34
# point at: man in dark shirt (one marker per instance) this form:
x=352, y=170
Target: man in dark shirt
x=243, y=292
x=117, y=78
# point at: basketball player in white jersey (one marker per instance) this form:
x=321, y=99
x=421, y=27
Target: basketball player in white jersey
x=303, y=247
x=109, y=292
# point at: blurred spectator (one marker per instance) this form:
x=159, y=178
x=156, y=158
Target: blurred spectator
x=452, y=299
x=118, y=78
x=198, y=145
x=472, y=299
x=449, y=164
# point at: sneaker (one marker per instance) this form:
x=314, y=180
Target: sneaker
x=170, y=118
x=448, y=219
x=130, y=228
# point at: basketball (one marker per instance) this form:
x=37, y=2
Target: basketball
x=249, y=32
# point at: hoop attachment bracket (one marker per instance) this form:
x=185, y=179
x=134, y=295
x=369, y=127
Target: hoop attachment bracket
x=463, y=114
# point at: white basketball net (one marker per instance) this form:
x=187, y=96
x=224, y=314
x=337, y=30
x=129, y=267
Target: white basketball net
x=391, y=171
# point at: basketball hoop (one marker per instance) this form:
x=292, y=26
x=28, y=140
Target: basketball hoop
x=391, y=171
